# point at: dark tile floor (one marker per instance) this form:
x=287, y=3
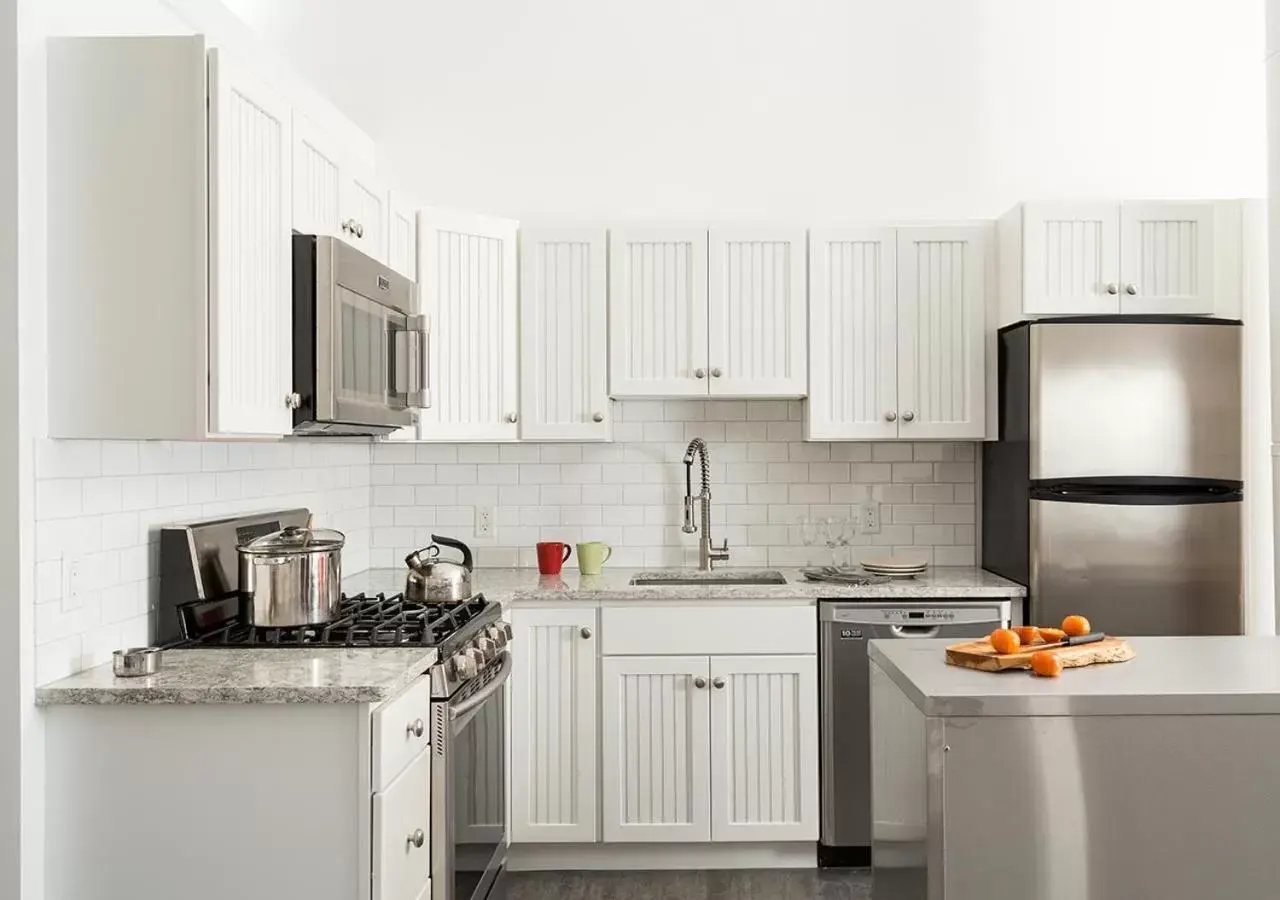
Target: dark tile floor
x=758, y=884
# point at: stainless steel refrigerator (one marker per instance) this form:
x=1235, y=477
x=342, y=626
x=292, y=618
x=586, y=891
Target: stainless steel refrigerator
x=1115, y=488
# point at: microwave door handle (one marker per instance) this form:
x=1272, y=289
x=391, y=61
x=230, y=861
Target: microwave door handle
x=410, y=354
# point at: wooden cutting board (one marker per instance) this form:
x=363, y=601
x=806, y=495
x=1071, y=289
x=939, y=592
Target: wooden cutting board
x=980, y=655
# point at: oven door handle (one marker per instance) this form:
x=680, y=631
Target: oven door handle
x=473, y=703
x=409, y=357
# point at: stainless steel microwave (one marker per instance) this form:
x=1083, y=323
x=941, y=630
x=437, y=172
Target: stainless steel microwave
x=359, y=349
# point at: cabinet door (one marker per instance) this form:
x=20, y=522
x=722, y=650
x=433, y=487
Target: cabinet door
x=469, y=292
x=317, y=180
x=364, y=210
x=853, y=335
x=1166, y=262
x=250, y=259
x=942, y=310
x=1071, y=258
x=656, y=753
x=764, y=748
x=564, y=391
x=657, y=312
x=554, y=786
x=402, y=235
x=400, y=866
x=758, y=330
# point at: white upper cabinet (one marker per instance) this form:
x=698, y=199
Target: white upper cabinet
x=364, y=210
x=764, y=748
x=658, y=312
x=554, y=749
x=469, y=294
x=402, y=235
x=1120, y=258
x=1167, y=258
x=757, y=324
x=942, y=308
x=655, y=737
x=564, y=392
x=333, y=195
x=250, y=264
x=853, y=335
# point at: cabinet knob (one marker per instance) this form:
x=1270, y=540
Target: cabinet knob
x=718, y=684
x=1131, y=289
x=359, y=230
x=417, y=838
x=716, y=373
x=597, y=417
x=512, y=418
x=586, y=634
x=908, y=416
x=891, y=416
x=699, y=373
x=699, y=682
x=1112, y=288
x=293, y=401
x=416, y=728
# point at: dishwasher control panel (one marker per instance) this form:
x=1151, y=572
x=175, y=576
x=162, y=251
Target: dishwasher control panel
x=911, y=614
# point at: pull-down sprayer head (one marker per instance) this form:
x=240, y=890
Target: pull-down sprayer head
x=698, y=446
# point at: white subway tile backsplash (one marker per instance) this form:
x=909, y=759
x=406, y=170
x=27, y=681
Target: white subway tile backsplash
x=913, y=472
x=891, y=452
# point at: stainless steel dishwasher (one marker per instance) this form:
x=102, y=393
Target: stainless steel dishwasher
x=845, y=626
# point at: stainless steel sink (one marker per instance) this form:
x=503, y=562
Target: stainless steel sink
x=694, y=577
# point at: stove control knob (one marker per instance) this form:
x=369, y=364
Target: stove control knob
x=497, y=634
x=506, y=629
x=464, y=665
x=488, y=647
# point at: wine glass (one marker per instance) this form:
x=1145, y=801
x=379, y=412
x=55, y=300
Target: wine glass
x=847, y=534
x=809, y=537
x=831, y=536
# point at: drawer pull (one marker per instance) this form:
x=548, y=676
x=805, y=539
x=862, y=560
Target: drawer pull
x=416, y=728
x=418, y=838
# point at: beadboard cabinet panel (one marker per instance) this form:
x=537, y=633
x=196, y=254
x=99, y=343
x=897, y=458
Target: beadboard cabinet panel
x=658, y=312
x=1071, y=258
x=317, y=180
x=364, y=205
x=757, y=303
x=468, y=289
x=1167, y=258
x=853, y=335
x=564, y=386
x=402, y=235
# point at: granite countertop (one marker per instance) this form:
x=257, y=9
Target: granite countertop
x=1169, y=676
x=519, y=587
x=290, y=675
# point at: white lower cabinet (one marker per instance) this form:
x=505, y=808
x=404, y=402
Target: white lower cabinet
x=402, y=834
x=554, y=780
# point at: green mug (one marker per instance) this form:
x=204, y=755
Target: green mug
x=592, y=555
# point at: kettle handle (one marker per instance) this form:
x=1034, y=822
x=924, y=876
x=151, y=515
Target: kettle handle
x=456, y=545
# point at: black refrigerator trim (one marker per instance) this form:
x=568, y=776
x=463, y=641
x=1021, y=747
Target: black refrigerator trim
x=1122, y=320
x=1138, y=491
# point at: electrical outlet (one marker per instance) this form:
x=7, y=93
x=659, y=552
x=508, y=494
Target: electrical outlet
x=869, y=517
x=72, y=581
x=484, y=522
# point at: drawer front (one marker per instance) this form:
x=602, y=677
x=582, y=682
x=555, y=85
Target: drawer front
x=705, y=631
x=395, y=731
x=401, y=868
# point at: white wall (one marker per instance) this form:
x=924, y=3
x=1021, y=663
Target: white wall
x=807, y=110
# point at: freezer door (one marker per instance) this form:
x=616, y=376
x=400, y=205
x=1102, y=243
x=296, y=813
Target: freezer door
x=1151, y=568
x=1150, y=399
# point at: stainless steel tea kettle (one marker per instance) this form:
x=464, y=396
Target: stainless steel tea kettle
x=434, y=580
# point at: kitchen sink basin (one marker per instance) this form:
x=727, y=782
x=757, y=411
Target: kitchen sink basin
x=694, y=577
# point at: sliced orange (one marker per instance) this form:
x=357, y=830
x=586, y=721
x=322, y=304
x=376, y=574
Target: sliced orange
x=1075, y=626
x=1005, y=641
x=1046, y=664
x=1052, y=635
x=1028, y=634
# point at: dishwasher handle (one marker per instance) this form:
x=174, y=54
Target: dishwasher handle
x=915, y=631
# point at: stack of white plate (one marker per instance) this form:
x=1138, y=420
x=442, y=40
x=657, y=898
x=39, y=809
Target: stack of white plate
x=895, y=566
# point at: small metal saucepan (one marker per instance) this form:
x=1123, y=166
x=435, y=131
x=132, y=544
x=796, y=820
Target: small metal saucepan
x=434, y=580
x=291, y=577
x=136, y=661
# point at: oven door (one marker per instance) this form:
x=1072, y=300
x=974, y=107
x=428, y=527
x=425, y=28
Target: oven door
x=469, y=802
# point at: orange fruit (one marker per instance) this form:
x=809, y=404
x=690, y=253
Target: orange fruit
x=1046, y=663
x=1028, y=634
x=1052, y=635
x=1005, y=641
x=1075, y=626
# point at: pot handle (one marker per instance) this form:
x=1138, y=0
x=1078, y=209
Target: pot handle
x=456, y=545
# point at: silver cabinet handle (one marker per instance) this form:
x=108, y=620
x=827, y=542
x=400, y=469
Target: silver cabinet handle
x=1112, y=288
x=416, y=728
x=1131, y=289
x=418, y=838
x=512, y=418
x=908, y=416
x=586, y=634
x=699, y=373
x=349, y=226
x=598, y=417
x=359, y=230
x=699, y=682
x=718, y=684
x=293, y=401
x=716, y=373
x=891, y=416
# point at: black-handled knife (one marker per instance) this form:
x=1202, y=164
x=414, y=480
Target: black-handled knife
x=1069, y=642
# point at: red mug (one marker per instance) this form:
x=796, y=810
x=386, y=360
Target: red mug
x=551, y=556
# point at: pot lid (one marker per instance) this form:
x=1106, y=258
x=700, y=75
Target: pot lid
x=295, y=539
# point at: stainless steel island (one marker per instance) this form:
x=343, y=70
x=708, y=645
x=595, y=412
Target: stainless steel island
x=1153, y=778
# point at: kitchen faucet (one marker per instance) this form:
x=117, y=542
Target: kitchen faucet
x=707, y=552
